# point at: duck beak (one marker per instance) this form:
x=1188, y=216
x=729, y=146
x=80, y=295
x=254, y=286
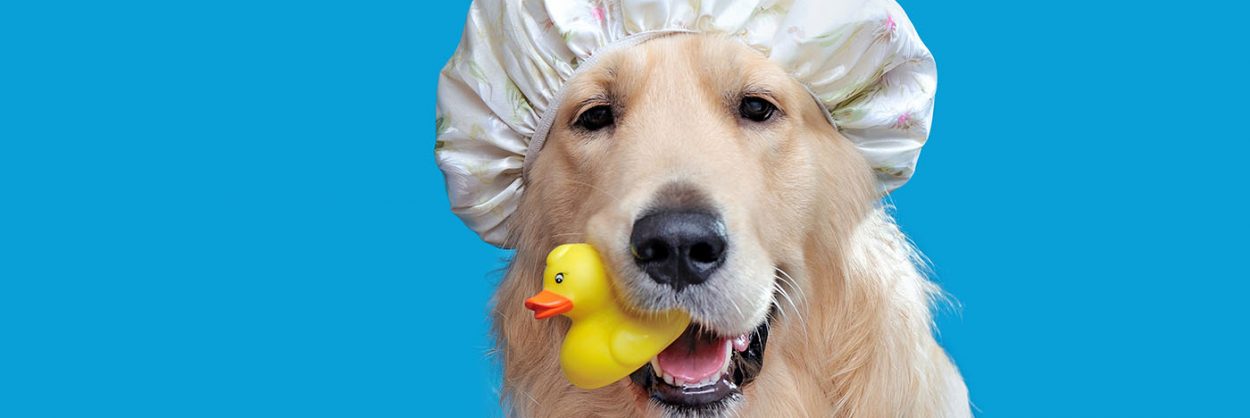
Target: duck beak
x=547, y=304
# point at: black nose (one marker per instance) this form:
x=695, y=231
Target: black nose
x=679, y=248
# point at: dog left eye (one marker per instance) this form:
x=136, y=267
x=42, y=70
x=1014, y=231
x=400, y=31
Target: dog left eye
x=756, y=109
x=595, y=118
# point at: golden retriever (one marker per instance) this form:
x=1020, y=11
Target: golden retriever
x=711, y=182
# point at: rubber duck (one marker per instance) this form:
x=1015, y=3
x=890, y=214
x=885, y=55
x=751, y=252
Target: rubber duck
x=605, y=342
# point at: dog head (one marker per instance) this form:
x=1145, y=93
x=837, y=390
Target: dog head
x=701, y=171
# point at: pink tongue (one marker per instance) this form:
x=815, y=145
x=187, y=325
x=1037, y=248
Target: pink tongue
x=691, y=358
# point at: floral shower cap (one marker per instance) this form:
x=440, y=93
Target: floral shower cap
x=862, y=60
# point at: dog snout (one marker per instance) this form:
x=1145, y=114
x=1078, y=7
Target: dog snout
x=679, y=248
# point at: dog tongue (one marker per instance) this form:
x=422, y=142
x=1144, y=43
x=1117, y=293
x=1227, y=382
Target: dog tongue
x=693, y=358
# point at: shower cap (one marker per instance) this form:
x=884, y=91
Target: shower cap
x=860, y=59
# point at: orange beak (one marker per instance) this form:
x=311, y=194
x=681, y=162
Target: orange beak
x=547, y=304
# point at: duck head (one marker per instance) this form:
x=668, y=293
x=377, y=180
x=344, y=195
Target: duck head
x=574, y=283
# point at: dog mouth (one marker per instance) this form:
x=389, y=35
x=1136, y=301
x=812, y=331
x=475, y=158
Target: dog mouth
x=703, y=371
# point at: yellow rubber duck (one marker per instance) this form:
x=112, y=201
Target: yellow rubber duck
x=604, y=343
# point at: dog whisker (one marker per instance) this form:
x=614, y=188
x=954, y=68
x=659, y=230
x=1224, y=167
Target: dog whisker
x=781, y=290
x=794, y=285
x=781, y=309
x=798, y=290
x=785, y=296
x=785, y=280
x=737, y=307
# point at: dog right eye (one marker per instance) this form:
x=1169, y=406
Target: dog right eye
x=595, y=118
x=756, y=109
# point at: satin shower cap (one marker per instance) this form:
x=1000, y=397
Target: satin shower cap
x=862, y=60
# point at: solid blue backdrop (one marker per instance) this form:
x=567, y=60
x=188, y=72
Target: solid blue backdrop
x=232, y=209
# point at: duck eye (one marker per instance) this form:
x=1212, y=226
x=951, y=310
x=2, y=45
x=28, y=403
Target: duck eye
x=595, y=118
x=756, y=109
x=559, y=278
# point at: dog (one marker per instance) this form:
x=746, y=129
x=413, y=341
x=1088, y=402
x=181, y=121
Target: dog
x=712, y=182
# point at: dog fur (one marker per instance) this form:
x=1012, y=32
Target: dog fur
x=852, y=335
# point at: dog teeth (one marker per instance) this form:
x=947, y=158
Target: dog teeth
x=741, y=342
x=677, y=381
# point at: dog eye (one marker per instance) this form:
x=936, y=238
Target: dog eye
x=559, y=278
x=595, y=118
x=756, y=109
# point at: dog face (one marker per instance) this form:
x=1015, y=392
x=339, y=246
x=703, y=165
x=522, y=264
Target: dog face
x=689, y=145
x=696, y=166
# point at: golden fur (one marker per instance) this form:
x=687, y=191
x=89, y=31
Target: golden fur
x=853, y=338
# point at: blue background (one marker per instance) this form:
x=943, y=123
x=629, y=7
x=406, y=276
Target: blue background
x=231, y=208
